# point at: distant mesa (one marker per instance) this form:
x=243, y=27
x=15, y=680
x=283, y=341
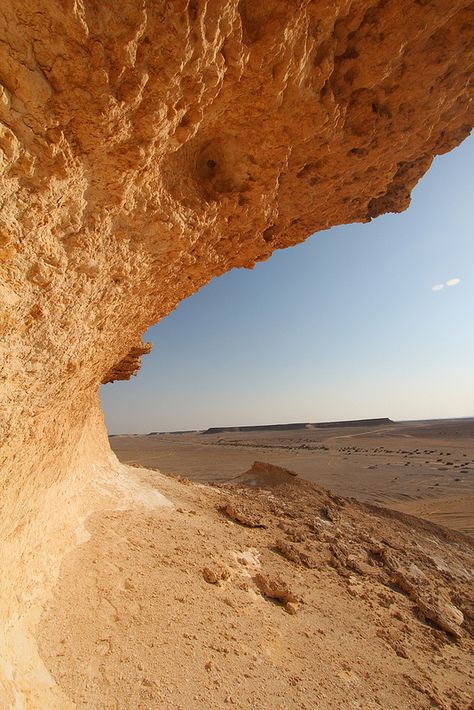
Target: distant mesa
x=301, y=425
x=184, y=431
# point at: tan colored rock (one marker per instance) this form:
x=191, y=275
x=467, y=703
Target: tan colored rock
x=431, y=605
x=215, y=574
x=275, y=588
x=242, y=515
x=266, y=475
x=210, y=575
x=440, y=612
x=129, y=365
x=293, y=554
x=145, y=149
x=290, y=552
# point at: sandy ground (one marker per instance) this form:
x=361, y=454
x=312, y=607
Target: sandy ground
x=268, y=593
x=423, y=468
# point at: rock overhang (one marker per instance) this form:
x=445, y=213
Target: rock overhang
x=149, y=147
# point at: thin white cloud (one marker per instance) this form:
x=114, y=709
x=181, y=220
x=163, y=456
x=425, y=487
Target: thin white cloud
x=453, y=282
x=437, y=287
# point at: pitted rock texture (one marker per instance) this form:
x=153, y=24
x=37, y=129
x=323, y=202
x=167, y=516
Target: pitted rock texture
x=148, y=147
x=129, y=365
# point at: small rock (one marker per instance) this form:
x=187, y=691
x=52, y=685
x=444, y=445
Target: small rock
x=400, y=650
x=291, y=553
x=274, y=588
x=210, y=576
x=216, y=574
x=453, y=613
x=242, y=515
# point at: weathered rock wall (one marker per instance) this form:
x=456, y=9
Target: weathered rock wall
x=150, y=146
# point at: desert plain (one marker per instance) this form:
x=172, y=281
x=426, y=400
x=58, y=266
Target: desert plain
x=425, y=468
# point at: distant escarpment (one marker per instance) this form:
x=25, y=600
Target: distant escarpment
x=146, y=148
x=301, y=425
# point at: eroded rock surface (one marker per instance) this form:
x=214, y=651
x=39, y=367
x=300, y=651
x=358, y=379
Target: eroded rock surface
x=129, y=365
x=148, y=147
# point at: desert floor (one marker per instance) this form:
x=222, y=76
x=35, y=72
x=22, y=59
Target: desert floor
x=267, y=593
x=422, y=468
x=251, y=587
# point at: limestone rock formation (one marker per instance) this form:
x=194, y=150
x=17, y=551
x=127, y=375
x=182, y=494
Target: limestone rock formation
x=129, y=365
x=148, y=147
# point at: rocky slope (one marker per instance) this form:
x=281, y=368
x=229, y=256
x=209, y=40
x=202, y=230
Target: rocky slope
x=270, y=592
x=148, y=147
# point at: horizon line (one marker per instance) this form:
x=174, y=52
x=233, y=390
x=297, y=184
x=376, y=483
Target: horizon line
x=288, y=424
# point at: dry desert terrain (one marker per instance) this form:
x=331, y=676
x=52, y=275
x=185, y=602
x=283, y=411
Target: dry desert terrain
x=422, y=468
x=268, y=592
x=146, y=148
x=250, y=586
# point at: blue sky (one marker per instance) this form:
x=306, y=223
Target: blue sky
x=346, y=325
